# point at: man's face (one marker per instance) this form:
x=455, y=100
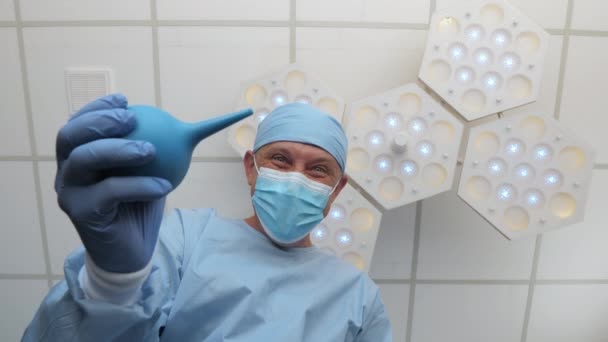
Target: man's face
x=311, y=161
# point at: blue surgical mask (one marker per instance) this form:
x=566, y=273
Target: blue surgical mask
x=288, y=204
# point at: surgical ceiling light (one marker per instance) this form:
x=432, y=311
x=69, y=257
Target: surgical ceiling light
x=291, y=83
x=350, y=229
x=403, y=145
x=485, y=58
x=526, y=174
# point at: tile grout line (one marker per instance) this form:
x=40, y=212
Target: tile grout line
x=432, y=9
x=33, y=148
x=292, y=31
x=531, y=288
x=155, y=54
x=563, y=61
x=414, y=271
x=416, y=245
x=361, y=24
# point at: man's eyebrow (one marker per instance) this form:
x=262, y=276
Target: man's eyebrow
x=277, y=149
x=321, y=160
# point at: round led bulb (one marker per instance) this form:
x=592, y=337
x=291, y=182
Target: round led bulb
x=425, y=149
x=457, y=52
x=320, y=233
x=542, y=153
x=483, y=57
x=337, y=212
x=261, y=114
x=514, y=148
x=510, y=61
x=474, y=33
x=375, y=139
x=491, y=81
x=278, y=98
x=524, y=172
x=506, y=192
x=384, y=164
x=465, y=75
x=497, y=167
x=534, y=198
x=409, y=168
x=501, y=38
x=416, y=126
x=552, y=178
x=393, y=120
x=344, y=238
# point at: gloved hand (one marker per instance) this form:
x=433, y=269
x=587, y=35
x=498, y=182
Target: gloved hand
x=117, y=218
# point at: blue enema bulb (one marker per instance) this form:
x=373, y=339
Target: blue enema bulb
x=173, y=139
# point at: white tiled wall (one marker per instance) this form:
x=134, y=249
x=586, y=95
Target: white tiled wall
x=85, y=10
x=13, y=123
x=125, y=50
x=396, y=302
x=21, y=244
x=197, y=86
x=469, y=313
x=357, y=63
x=7, y=11
x=456, y=243
x=394, y=11
x=20, y=299
x=585, y=15
x=468, y=282
x=206, y=187
x=223, y=9
x=393, y=257
x=566, y=313
x=583, y=106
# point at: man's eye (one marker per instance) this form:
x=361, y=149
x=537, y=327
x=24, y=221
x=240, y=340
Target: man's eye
x=320, y=169
x=279, y=158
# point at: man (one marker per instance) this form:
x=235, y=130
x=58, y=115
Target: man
x=207, y=278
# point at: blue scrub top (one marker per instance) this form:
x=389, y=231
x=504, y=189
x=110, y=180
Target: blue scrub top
x=215, y=279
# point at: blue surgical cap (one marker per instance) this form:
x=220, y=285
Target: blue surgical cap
x=298, y=122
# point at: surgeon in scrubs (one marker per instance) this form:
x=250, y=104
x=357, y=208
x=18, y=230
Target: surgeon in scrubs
x=193, y=275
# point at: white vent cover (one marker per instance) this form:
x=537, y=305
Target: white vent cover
x=86, y=84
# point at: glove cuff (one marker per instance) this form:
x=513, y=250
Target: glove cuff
x=116, y=288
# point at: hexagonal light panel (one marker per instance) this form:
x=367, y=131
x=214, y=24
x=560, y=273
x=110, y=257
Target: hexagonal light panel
x=350, y=229
x=485, y=58
x=403, y=145
x=289, y=84
x=525, y=174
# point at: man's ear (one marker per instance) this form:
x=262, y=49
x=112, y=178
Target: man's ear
x=249, y=166
x=334, y=195
x=339, y=187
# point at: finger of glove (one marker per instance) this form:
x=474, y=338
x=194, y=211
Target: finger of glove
x=85, y=161
x=110, y=192
x=111, y=101
x=105, y=123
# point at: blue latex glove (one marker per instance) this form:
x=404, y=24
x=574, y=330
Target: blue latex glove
x=117, y=218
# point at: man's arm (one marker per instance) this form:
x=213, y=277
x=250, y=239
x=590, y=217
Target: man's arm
x=68, y=313
x=376, y=326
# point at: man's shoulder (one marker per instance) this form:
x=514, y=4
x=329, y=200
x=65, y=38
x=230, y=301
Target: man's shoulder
x=345, y=270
